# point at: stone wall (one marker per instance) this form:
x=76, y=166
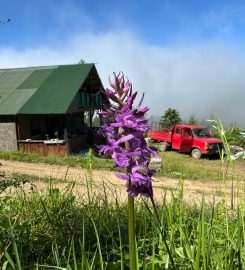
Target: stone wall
x=8, y=140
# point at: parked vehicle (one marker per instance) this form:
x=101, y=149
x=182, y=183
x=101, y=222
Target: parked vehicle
x=196, y=140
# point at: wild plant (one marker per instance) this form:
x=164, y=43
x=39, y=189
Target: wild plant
x=127, y=146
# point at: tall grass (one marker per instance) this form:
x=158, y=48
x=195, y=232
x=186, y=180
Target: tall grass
x=57, y=229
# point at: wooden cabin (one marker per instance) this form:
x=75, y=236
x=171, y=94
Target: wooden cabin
x=50, y=110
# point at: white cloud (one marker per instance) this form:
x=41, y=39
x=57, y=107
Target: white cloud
x=202, y=79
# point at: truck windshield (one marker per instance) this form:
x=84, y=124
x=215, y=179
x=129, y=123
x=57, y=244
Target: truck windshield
x=201, y=133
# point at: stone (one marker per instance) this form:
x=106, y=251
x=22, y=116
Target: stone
x=156, y=163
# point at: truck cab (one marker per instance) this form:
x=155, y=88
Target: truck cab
x=196, y=140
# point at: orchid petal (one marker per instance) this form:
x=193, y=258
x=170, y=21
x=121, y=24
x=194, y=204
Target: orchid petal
x=122, y=176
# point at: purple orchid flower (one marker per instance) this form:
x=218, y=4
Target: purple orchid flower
x=125, y=137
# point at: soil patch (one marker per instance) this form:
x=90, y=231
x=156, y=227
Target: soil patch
x=104, y=179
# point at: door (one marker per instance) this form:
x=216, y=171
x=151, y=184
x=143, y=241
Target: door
x=186, y=140
x=176, y=138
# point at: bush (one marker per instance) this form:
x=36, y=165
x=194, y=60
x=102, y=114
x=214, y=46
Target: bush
x=234, y=137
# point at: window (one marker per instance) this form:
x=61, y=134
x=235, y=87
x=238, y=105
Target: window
x=202, y=133
x=35, y=127
x=187, y=133
x=178, y=131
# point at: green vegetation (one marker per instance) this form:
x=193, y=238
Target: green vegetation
x=58, y=229
x=170, y=117
x=234, y=137
x=73, y=160
x=193, y=120
x=183, y=166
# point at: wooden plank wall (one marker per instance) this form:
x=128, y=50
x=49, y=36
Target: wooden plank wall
x=54, y=150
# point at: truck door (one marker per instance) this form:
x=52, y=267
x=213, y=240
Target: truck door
x=186, y=140
x=176, y=138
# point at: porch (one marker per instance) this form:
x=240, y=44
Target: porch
x=58, y=135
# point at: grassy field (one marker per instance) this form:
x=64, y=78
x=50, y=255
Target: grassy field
x=54, y=229
x=73, y=160
x=183, y=166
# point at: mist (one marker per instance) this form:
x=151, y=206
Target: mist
x=200, y=79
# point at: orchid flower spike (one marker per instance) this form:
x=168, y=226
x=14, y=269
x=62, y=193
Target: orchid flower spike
x=125, y=137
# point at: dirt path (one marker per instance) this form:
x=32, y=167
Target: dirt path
x=193, y=189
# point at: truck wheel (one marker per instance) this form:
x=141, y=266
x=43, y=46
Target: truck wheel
x=196, y=153
x=163, y=146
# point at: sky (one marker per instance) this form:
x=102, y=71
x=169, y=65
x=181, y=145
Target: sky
x=184, y=54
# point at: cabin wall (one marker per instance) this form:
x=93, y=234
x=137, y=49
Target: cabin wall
x=8, y=139
x=53, y=150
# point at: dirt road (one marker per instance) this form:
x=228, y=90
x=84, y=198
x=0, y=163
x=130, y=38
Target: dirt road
x=193, y=189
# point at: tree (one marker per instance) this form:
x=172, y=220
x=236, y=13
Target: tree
x=193, y=120
x=81, y=62
x=170, y=117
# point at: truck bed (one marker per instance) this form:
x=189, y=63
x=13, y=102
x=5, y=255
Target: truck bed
x=160, y=136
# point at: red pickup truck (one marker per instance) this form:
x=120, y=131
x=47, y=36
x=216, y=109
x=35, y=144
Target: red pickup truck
x=196, y=140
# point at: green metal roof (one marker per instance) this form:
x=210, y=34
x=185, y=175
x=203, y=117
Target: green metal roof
x=40, y=90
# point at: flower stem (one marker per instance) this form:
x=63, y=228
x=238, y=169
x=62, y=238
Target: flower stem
x=163, y=233
x=131, y=234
